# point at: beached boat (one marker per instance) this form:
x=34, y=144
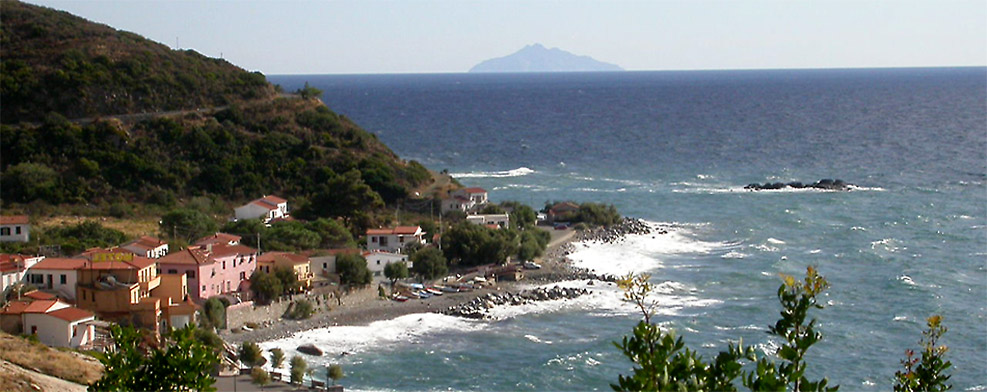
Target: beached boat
x=434, y=291
x=400, y=298
x=424, y=294
x=448, y=289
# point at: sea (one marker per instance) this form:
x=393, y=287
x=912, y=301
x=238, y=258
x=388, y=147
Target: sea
x=676, y=149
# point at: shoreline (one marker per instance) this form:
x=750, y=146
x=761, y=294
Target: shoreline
x=363, y=306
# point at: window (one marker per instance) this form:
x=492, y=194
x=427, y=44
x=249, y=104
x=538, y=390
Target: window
x=17, y=229
x=191, y=275
x=373, y=239
x=224, y=264
x=173, y=271
x=203, y=287
x=61, y=279
x=36, y=279
x=243, y=275
x=4, y=231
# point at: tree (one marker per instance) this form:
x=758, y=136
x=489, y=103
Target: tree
x=664, y=363
x=429, y=263
x=266, y=287
x=250, y=354
x=927, y=374
x=352, y=269
x=472, y=244
x=522, y=216
x=335, y=372
x=180, y=363
x=396, y=271
x=26, y=182
x=298, y=369
x=289, y=280
x=214, y=312
x=187, y=224
x=309, y=92
x=300, y=310
x=277, y=358
x=259, y=376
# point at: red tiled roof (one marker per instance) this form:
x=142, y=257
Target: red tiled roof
x=273, y=199
x=406, y=230
x=475, y=190
x=40, y=295
x=193, y=256
x=224, y=250
x=14, y=307
x=218, y=238
x=271, y=257
x=146, y=242
x=40, y=306
x=270, y=202
x=72, y=313
x=58, y=263
x=13, y=220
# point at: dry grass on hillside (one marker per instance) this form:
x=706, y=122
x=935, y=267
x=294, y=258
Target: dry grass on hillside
x=66, y=365
x=131, y=227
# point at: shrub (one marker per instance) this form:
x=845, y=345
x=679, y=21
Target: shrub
x=298, y=369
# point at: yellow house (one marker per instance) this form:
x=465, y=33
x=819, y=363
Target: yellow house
x=269, y=261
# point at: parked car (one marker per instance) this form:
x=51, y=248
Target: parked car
x=561, y=226
x=531, y=265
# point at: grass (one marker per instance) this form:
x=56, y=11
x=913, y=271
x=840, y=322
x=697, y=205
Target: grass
x=66, y=365
x=132, y=227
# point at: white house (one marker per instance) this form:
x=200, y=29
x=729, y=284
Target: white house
x=457, y=203
x=57, y=276
x=58, y=324
x=266, y=208
x=15, y=228
x=393, y=239
x=500, y=220
x=476, y=195
x=14, y=267
x=465, y=200
x=377, y=260
x=146, y=246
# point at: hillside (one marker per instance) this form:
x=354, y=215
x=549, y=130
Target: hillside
x=537, y=58
x=52, y=61
x=26, y=366
x=244, y=143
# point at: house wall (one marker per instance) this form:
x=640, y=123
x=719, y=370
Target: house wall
x=15, y=233
x=323, y=265
x=391, y=243
x=195, y=290
x=376, y=261
x=52, y=281
x=155, y=253
x=9, y=279
x=51, y=330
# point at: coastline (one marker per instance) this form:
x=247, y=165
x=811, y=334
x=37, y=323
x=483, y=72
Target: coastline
x=363, y=306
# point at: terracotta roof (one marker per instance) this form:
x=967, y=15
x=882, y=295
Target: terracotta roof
x=40, y=306
x=271, y=257
x=146, y=242
x=475, y=190
x=270, y=202
x=192, y=256
x=14, y=307
x=40, y=295
x=218, y=238
x=225, y=250
x=13, y=220
x=137, y=263
x=72, y=313
x=58, y=263
x=273, y=199
x=338, y=251
x=406, y=230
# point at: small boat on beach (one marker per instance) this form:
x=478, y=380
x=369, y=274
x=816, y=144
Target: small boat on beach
x=448, y=289
x=400, y=298
x=424, y=294
x=434, y=291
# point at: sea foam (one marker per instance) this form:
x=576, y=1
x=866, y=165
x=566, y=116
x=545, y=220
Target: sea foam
x=521, y=171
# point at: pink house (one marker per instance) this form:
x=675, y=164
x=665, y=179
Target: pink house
x=212, y=269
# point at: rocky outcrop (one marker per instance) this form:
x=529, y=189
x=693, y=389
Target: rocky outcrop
x=824, y=184
x=310, y=349
x=478, y=308
x=615, y=232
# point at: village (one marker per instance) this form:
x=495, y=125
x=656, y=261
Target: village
x=73, y=301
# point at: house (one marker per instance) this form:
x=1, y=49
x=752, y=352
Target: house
x=266, y=208
x=457, y=203
x=377, y=260
x=56, y=275
x=300, y=264
x=562, y=212
x=496, y=220
x=219, y=238
x=54, y=322
x=147, y=246
x=13, y=268
x=393, y=239
x=323, y=263
x=465, y=200
x=212, y=269
x=117, y=287
x=15, y=228
x=477, y=195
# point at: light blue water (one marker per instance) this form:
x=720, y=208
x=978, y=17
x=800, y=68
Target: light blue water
x=679, y=147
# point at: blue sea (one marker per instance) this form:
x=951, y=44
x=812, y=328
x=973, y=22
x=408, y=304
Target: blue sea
x=676, y=149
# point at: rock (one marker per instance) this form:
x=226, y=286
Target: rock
x=310, y=349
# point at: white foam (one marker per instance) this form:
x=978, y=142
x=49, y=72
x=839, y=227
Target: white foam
x=775, y=241
x=521, y=171
x=639, y=252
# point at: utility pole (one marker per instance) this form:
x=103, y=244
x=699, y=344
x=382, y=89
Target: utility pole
x=258, y=242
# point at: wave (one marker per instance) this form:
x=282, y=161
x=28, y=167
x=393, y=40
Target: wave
x=521, y=171
x=640, y=252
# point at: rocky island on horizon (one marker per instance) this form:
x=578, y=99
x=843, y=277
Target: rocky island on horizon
x=538, y=58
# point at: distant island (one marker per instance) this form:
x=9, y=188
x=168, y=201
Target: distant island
x=537, y=58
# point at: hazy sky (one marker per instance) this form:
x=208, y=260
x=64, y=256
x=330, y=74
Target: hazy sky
x=366, y=36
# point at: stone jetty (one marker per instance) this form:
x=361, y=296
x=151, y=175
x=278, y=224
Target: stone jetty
x=478, y=308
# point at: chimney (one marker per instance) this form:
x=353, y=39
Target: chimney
x=209, y=248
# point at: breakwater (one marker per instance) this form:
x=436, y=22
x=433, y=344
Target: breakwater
x=478, y=308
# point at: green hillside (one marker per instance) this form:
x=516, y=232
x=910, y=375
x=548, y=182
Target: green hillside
x=247, y=141
x=52, y=61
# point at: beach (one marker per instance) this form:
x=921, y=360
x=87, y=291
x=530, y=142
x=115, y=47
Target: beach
x=363, y=306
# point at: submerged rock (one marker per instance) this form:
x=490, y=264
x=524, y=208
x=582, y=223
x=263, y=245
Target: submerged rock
x=824, y=184
x=310, y=349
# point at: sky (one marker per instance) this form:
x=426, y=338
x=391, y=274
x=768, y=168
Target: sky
x=412, y=36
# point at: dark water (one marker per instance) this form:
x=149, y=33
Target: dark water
x=678, y=147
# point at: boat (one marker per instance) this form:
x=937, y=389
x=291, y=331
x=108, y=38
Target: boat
x=424, y=294
x=400, y=298
x=448, y=289
x=434, y=291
